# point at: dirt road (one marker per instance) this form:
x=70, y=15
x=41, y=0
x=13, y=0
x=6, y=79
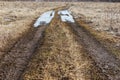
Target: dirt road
x=67, y=52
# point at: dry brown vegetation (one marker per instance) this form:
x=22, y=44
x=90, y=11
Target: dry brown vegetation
x=61, y=57
x=16, y=18
x=101, y=20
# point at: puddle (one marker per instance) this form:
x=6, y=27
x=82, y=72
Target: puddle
x=66, y=16
x=45, y=18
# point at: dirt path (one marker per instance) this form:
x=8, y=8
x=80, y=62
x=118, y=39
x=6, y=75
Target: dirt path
x=14, y=62
x=61, y=57
x=68, y=52
x=107, y=62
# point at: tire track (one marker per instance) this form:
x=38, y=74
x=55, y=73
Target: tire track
x=4, y=52
x=15, y=61
x=61, y=57
x=107, y=62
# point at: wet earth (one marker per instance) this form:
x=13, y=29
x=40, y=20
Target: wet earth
x=59, y=50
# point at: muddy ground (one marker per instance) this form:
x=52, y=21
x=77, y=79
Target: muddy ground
x=59, y=51
x=102, y=20
x=62, y=57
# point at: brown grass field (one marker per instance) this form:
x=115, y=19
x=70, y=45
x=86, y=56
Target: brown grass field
x=60, y=55
x=16, y=18
x=102, y=20
x=53, y=62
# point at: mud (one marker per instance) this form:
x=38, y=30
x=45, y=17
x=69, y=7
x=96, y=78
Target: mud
x=68, y=52
x=109, y=64
x=61, y=57
x=14, y=62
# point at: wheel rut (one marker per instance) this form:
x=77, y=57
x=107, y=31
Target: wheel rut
x=61, y=57
x=109, y=64
x=68, y=52
x=15, y=61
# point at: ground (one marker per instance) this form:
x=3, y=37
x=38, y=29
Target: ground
x=103, y=21
x=16, y=18
x=88, y=49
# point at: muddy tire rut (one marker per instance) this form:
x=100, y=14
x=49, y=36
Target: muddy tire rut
x=61, y=57
x=13, y=63
x=67, y=52
x=108, y=63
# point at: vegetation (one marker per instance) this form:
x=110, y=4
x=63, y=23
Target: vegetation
x=61, y=57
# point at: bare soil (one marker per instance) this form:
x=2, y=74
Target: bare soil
x=102, y=20
x=59, y=51
x=61, y=57
x=109, y=64
x=16, y=18
x=13, y=63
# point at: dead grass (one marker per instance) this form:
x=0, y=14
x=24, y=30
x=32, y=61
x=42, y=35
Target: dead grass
x=61, y=57
x=103, y=20
x=107, y=40
x=16, y=18
x=101, y=16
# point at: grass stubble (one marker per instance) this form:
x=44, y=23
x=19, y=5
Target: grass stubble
x=61, y=57
x=16, y=20
x=107, y=40
x=102, y=21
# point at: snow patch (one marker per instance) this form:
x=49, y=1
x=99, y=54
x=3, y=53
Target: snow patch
x=45, y=18
x=66, y=16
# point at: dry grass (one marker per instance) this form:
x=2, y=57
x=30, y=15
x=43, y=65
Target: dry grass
x=107, y=40
x=101, y=16
x=16, y=18
x=102, y=20
x=61, y=58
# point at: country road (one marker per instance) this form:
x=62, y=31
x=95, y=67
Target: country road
x=60, y=50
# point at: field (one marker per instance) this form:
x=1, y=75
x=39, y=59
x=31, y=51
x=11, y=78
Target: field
x=88, y=49
x=16, y=18
x=103, y=21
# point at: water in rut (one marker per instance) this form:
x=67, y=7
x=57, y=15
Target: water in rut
x=59, y=51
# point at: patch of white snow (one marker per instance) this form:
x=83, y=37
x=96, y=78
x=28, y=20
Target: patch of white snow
x=66, y=16
x=45, y=18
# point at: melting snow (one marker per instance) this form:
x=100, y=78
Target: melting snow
x=66, y=16
x=45, y=18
